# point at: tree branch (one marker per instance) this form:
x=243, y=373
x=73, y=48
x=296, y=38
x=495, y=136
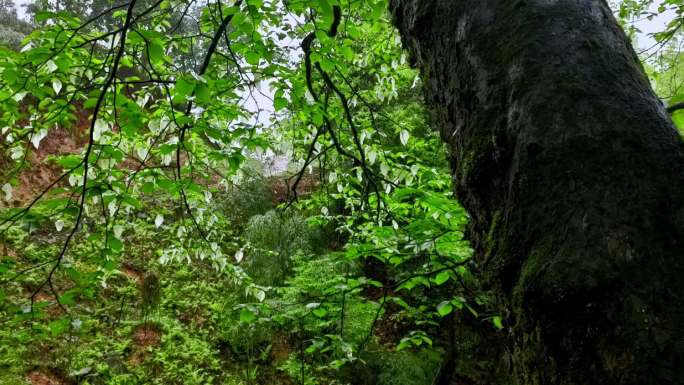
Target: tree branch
x=675, y=107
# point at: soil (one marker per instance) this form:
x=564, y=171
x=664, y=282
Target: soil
x=146, y=336
x=45, y=377
x=39, y=173
x=132, y=273
x=281, y=187
x=280, y=350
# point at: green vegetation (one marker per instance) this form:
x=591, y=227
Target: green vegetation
x=163, y=253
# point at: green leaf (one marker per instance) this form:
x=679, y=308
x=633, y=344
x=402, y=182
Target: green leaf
x=400, y=302
x=442, y=277
x=678, y=119
x=235, y=161
x=114, y=243
x=379, y=8
x=319, y=312
x=183, y=89
x=131, y=201
x=280, y=103
x=10, y=75
x=348, y=53
x=252, y=57
x=247, y=316
x=247, y=28
x=405, y=343
x=90, y=103
x=58, y=327
x=68, y=298
x=43, y=16
x=445, y=308
x=147, y=188
x=156, y=52
x=70, y=161
x=497, y=322
x=203, y=93
x=326, y=11
x=166, y=184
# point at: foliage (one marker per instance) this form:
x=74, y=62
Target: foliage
x=662, y=58
x=249, y=198
x=12, y=29
x=405, y=368
x=272, y=239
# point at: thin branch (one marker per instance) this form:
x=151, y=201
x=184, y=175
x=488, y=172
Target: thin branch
x=89, y=148
x=675, y=107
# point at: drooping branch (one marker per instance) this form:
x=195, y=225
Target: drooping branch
x=201, y=71
x=91, y=142
x=307, y=43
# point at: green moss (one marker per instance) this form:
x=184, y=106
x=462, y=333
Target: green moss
x=493, y=236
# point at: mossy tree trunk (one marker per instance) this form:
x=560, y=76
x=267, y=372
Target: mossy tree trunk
x=573, y=175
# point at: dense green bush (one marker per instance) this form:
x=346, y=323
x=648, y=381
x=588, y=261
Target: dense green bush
x=273, y=238
x=383, y=366
x=408, y=368
x=251, y=197
x=246, y=342
x=184, y=358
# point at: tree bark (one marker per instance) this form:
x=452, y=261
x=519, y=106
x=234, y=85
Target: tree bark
x=573, y=175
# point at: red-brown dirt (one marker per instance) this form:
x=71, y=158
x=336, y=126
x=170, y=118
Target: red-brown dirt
x=45, y=377
x=39, y=173
x=144, y=337
x=132, y=273
x=280, y=350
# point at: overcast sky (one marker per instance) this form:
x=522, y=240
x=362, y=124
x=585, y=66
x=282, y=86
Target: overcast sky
x=648, y=27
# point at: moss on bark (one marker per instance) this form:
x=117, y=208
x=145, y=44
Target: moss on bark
x=573, y=175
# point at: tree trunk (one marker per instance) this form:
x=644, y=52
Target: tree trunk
x=573, y=176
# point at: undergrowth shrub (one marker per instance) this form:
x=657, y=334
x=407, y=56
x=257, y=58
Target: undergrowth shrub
x=359, y=316
x=300, y=373
x=322, y=301
x=251, y=197
x=247, y=342
x=325, y=277
x=184, y=358
x=314, y=275
x=409, y=367
x=389, y=367
x=13, y=347
x=273, y=239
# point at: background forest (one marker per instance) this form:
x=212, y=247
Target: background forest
x=238, y=192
